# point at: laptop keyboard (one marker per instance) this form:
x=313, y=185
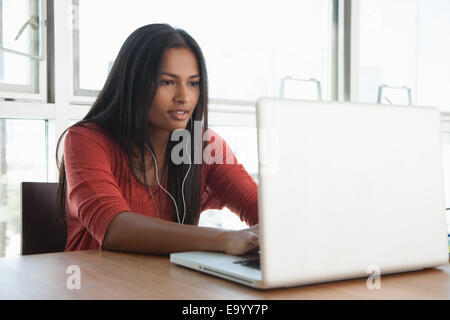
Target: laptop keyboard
x=254, y=263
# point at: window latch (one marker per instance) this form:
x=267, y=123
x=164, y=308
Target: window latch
x=33, y=22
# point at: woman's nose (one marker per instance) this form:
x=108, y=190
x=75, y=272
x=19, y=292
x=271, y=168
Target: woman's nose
x=182, y=95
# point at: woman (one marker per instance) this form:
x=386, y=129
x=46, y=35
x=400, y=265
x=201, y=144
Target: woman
x=119, y=185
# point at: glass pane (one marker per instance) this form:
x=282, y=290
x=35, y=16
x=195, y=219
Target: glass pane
x=387, y=45
x=243, y=142
x=22, y=158
x=404, y=43
x=15, y=69
x=21, y=25
x=433, y=64
x=20, y=31
x=249, y=46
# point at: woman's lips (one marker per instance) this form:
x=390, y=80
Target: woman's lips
x=179, y=115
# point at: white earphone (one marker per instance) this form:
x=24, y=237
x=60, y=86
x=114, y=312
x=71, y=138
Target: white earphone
x=182, y=185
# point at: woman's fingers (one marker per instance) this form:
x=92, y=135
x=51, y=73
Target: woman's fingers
x=242, y=241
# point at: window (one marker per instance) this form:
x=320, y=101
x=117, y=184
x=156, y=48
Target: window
x=249, y=46
x=22, y=49
x=22, y=158
x=23, y=139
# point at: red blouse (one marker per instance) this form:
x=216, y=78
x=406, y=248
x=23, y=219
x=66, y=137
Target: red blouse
x=97, y=191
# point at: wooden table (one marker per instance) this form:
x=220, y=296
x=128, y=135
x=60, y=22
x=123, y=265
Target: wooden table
x=112, y=275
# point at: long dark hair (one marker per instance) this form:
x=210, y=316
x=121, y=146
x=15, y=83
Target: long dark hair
x=122, y=109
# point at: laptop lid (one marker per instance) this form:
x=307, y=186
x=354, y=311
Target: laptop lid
x=348, y=188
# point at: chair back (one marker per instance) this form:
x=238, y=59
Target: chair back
x=42, y=229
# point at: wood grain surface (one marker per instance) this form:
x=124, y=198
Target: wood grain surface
x=114, y=275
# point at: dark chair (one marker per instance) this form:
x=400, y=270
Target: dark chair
x=42, y=229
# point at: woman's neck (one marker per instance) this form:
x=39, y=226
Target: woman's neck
x=159, y=139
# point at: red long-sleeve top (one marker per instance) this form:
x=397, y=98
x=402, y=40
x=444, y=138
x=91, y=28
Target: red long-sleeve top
x=97, y=190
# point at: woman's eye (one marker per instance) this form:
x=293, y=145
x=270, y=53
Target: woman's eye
x=166, y=82
x=171, y=82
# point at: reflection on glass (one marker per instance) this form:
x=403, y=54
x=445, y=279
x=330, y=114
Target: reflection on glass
x=22, y=158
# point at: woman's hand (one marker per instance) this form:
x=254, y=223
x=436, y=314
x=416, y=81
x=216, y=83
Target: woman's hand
x=242, y=241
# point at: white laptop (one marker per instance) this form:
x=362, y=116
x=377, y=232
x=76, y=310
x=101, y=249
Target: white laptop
x=345, y=190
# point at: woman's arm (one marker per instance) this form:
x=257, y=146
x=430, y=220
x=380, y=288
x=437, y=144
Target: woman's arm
x=98, y=203
x=132, y=232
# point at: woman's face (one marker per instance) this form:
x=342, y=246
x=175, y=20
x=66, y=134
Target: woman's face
x=178, y=91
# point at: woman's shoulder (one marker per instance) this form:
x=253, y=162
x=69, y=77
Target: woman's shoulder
x=89, y=130
x=90, y=134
